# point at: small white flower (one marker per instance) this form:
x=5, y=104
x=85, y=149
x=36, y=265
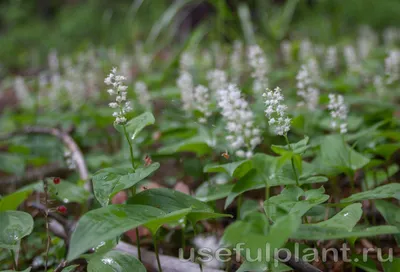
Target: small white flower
x=54, y=64
x=306, y=88
x=350, y=56
x=185, y=85
x=236, y=61
x=119, y=90
x=142, y=94
x=243, y=136
x=306, y=50
x=338, y=110
x=331, y=58
x=276, y=111
x=259, y=64
x=392, y=66
x=379, y=85
x=22, y=93
x=186, y=61
x=202, y=102
x=391, y=35
x=217, y=79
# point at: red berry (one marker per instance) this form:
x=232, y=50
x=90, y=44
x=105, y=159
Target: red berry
x=62, y=209
x=56, y=180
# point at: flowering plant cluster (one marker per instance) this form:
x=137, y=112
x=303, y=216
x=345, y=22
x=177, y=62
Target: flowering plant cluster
x=119, y=91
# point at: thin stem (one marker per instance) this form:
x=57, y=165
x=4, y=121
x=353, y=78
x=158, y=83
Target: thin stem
x=156, y=251
x=133, y=189
x=239, y=206
x=195, y=234
x=291, y=159
x=130, y=147
x=352, y=184
x=183, y=245
x=15, y=266
x=46, y=218
x=267, y=193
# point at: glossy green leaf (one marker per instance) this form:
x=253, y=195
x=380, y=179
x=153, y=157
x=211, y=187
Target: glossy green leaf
x=137, y=124
x=376, y=177
x=196, y=145
x=171, y=201
x=255, y=240
x=115, y=261
x=13, y=200
x=108, y=222
x=391, y=213
x=207, y=192
x=345, y=219
x=297, y=148
x=337, y=157
x=386, y=150
x=368, y=265
x=391, y=190
x=293, y=200
x=70, y=268
x=15, y=225
x=109, y=181
x=234, y=169
x=391, y=266
x=26, y=270
x=314, y=233
x=69, y=192
x=265, y=173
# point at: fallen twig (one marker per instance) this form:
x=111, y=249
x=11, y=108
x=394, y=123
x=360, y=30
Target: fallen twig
x=68, y=141
x=296, y=263
x=169, y=263
x=35, y=174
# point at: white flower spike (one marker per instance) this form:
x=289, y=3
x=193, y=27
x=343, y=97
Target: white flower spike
x=243, y=135
x=118, y=89
x=276, y=111
x=338, y=110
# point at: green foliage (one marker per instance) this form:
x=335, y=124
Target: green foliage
x=115, y=261
x=109, y=181
x=113, y=220
x=15, y=225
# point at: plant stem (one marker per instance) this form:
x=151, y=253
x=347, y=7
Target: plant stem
x=133, y=189
x=183, y=245
x=46, y=218
x=267, y=192
x=156, y=251
x=195, y=234
x=239, y=206
x=15, y=266
x=291, y=159
x=352, y=184
x=130, y=147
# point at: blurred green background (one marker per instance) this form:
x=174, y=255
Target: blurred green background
x=29, y=29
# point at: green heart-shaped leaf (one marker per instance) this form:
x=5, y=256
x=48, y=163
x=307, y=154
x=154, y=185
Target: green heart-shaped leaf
x=345, y=219
x=293, y=200
x=170, y=201
x=115, y=261
x=384, y=191
x=234, y=169
x=313, y=232
x=137, y=124
x=110, y=221
x=391, y=213
x=15, y=225
x=109, y=181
